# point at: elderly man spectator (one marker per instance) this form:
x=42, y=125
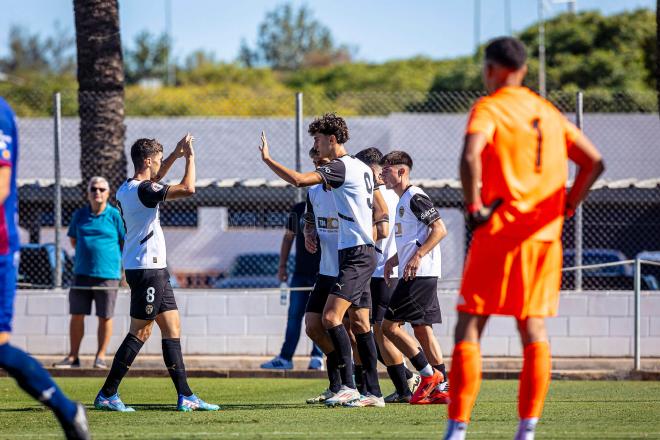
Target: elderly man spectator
x=97, y=233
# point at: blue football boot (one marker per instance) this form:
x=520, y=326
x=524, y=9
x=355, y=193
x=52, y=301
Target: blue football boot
x=194, y=403
x=112, y=403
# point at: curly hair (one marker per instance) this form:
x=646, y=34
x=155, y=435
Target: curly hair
x=330, y=124
x=143, y=149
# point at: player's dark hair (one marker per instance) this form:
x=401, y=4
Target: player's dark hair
x=143, y=149
x=330, y=124
x=370, y=156
x=506, y=51
x=397, y=158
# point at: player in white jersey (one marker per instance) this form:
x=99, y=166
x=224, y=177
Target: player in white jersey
x=418, y=232
x=404, y=380
x=322, y=235
x=144, y=261
x=352, y=186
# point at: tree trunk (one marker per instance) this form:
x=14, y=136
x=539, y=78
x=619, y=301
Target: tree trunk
x=101, y=91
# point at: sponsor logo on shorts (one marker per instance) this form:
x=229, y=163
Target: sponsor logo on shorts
x=149, y=309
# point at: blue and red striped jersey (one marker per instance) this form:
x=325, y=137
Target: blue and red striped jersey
x=9, y=241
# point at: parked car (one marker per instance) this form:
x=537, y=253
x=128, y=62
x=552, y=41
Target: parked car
x=619, y=277
x=253, y=270
x=37, y=265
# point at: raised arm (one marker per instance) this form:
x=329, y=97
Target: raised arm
x=179, y=151
x=291, y=176
x=186, y=187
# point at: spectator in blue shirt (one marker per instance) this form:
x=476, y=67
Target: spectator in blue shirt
x=97, y=232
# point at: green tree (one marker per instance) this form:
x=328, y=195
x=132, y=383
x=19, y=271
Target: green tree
x=290, y=39
x=31, y=54
x=148, y=58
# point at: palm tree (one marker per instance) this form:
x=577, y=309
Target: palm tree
x=101, y=90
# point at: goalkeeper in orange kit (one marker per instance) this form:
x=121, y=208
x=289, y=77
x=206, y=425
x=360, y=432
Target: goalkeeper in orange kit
x=517, y=145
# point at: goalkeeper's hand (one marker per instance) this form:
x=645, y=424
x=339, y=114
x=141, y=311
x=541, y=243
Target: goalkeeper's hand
x=475, y=217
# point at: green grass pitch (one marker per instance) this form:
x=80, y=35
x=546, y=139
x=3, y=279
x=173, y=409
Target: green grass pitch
x=275, y=408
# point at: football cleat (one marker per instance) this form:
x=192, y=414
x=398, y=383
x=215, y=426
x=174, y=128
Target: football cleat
x=368, y=400
x=344, y=395
x=426, y=387
x=194, y=403
x=112, y=403
x=396, y=398
x=435, y=398
x=325, y=395
x=277, y=363
x=78, y=428
x=414, y=381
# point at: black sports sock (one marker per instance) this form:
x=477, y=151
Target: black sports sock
x=441, y=368
x=419, y=361
x=122, y=361
x=397, y=374
x=334, y=376
x=342, y=344
x=409, y=374
x=366, y=345
x=174, y=362
x=360, y=383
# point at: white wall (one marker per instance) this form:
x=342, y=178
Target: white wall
x=590, y=324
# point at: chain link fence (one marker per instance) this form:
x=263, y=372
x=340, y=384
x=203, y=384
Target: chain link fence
x=232, y=228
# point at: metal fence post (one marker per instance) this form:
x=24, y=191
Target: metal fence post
x=638, y=313
x=299, y=134
x=57, y=224
x=579, y=120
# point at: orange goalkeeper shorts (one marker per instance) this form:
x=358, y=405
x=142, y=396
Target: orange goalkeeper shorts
x=508, y=276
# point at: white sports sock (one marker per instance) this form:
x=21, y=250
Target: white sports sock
x=426, y=371
x=455, y=430
x=526, y=429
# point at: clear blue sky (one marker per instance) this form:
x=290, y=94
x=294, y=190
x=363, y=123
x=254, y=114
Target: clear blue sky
x=381, y=29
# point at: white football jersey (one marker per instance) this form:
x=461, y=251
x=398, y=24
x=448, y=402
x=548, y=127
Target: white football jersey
x=386, y=247
x=415, y=213
x=321, y=204
x=144, y=244
x=352, y=184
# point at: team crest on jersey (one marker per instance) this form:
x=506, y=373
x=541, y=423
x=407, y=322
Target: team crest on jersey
x=6, y=155
x=156, y=186
x=402, y=211
x=149, y=309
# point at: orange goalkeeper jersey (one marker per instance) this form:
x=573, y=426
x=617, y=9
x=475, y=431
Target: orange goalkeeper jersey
x=525, y=162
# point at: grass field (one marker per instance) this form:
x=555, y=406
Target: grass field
x=272, y=408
